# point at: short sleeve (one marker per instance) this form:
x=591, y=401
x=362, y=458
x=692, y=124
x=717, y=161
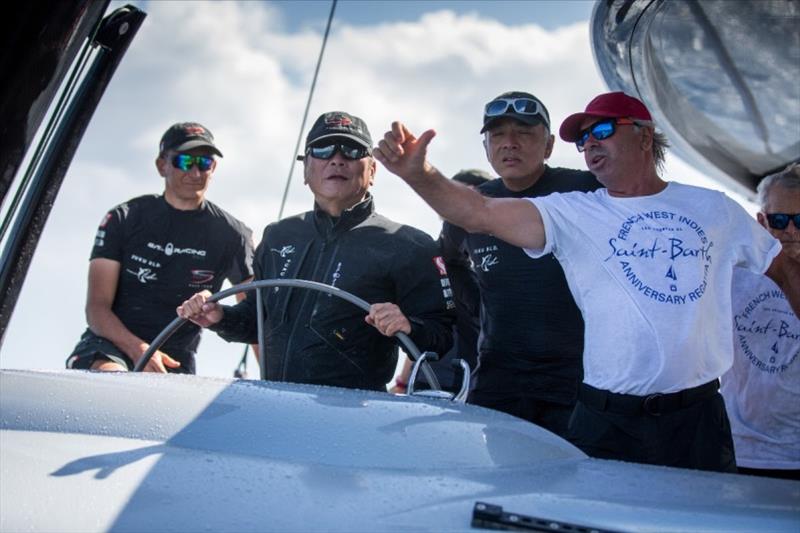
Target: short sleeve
x=109, y=238
x=754, y=247
x=241, y=267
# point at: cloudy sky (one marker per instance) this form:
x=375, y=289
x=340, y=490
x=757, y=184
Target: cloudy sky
x=244, y=70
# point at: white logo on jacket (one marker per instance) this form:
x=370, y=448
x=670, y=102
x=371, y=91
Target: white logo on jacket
x=283, y=252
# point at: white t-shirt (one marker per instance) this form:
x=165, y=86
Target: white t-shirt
x=652, y=277
x=762, y=388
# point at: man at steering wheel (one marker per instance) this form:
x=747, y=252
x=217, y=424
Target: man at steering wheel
x=312, y=337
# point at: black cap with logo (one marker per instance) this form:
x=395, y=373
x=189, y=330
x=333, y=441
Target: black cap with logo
x=187, y=135
x=342, y=125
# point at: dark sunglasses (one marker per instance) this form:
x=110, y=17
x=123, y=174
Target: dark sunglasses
x=601, y=130
x=521, y=106
x=781, y=220
x=185, y=162
x=348, y=151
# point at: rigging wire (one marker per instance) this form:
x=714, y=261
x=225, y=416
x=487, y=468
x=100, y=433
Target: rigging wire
x=308, y=106
x=241, y=369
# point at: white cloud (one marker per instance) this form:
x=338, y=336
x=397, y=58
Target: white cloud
x=233, y=67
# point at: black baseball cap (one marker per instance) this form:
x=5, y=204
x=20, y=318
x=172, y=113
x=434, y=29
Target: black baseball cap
x=342, y=125
x=187, y=135
x=534, y=111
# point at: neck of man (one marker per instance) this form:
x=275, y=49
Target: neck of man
x=182, y=204
x=521, y=183
x=336, y=207
x=641, y=182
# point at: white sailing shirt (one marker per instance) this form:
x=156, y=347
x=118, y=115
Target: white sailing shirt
x=652, y=277
x=762, y=388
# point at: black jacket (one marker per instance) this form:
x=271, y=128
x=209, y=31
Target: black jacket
x=312, y=337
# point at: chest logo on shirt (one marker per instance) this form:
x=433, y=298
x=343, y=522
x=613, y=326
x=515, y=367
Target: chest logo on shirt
x=144, y=275
x=285, y=251
x=201, y=277
x=663, y=256
x=170, y=249
x=482, y=259
x=488, y=261
x=767, y=332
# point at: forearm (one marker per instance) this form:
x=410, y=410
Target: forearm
x=785, y=272
x=238, y=323
x=454, y=202
x=432, y=334
x=791, y=286
x=105, y=323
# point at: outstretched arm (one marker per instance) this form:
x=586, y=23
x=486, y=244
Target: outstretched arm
x=514, y=220
x=785, y=272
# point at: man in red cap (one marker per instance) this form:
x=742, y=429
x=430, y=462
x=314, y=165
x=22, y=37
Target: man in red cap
x=650, y=264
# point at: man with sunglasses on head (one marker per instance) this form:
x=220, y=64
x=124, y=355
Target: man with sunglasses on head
x=650, y=264
x=531, y=339
x=311, y=337
x=152, y=252
x=762, y=388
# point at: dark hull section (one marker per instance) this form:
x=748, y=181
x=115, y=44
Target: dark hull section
x=52, y=51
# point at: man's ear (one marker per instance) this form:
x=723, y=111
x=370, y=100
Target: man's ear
x=647, y=139
x=161, y=163
x=548, y=151
x=486, y=148
x=373, y=168
x=762, y=219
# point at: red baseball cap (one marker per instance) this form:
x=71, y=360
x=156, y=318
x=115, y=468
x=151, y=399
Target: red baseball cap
x=608, y=105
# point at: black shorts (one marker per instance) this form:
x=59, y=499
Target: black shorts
x=92, y=348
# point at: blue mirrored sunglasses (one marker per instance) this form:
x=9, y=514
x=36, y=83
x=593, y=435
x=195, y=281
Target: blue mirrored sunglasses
x=185, y=162
x=348, y=151
x=781, y=220
x=600, y=130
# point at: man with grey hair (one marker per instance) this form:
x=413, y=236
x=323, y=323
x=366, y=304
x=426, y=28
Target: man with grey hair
x=762, y=388
x=650, y=264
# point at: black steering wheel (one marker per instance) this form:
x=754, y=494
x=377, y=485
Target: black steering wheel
x=173, y=326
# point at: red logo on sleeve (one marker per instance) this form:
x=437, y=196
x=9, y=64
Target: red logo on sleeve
x=439, y=262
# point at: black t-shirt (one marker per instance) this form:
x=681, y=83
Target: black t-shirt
x=167, y=255
x=530, y=325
